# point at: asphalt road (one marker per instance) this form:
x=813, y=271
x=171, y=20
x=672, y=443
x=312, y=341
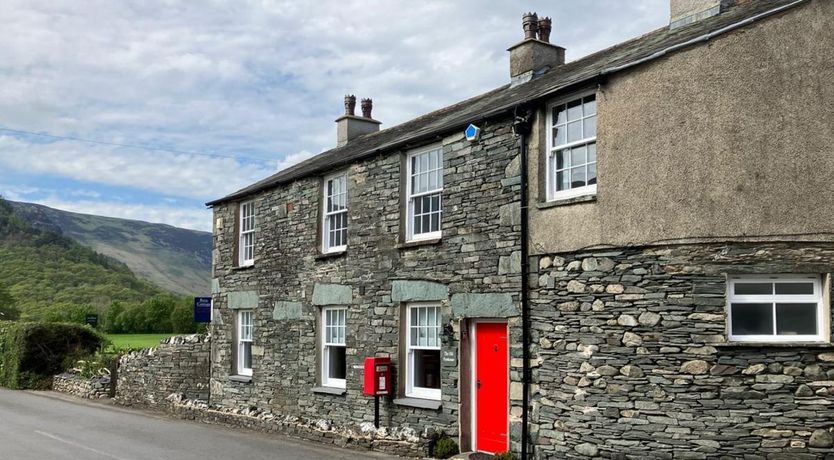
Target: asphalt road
x=45, y=426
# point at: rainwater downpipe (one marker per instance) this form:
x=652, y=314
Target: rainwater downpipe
x=521, y=127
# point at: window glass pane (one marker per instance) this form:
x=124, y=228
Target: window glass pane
x=796, y=318
x=336, y=364
x=577, y=155
x=592, y=152
x=559, y=115
x=562, y=159
x=427, y=368
x=590, y=129
x=577, y=177
x=590, y=107
x=563, y=180
x=246, y=355
x=754, y=288
x=575, y=110
x=752, y=318
x=574, y=131
x=795, y=288
x=559, y=136
x=592, y=173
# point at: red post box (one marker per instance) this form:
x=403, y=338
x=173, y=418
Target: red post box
x=377, y=375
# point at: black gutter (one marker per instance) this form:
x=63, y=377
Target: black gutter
x=522, y=128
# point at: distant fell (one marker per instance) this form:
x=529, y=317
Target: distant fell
x=175, y=259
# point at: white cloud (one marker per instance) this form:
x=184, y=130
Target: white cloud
x=256, y=78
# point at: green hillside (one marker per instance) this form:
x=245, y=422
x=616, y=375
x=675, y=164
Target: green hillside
x=175, y=259
x=42, y=269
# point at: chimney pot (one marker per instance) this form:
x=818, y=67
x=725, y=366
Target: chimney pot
x=350, y=104
x=530, y=23
x=545, y=25
x=349, y=126
x=367, y=107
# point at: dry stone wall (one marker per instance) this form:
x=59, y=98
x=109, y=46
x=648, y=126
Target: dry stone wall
x=97, y=387
x=178, y=366
x=632, y=359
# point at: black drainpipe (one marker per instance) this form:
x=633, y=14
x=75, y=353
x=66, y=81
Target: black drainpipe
x=522, y=127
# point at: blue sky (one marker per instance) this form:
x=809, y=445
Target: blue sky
x=221, y=94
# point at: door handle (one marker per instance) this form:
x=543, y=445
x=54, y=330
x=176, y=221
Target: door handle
x=478, y=384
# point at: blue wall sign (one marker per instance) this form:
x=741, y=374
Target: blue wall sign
x=472, y=133
x=202, y=309
x=92, y=320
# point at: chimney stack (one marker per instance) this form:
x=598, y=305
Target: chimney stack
x=349, y=126
x=684, y=12
x=534, y=55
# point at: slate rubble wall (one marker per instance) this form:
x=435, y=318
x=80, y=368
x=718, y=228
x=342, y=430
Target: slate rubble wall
x=632, y=361
x=478, y=254
x=97, y=387
x=178, y=366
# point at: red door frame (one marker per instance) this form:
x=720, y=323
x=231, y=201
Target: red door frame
x=474, y=377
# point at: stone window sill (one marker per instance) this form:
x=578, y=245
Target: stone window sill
x=243, y=267
x=418, y=243
x=567, y=201
x=330, y=255
x=240, y=378
x=419, y=403
x=773, y=345
x=329, y=391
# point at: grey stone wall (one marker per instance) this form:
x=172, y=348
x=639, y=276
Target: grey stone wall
x=478, y=254
x=632, y=361
x=97, y=387
x=178, y=366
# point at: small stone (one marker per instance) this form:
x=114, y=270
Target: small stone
x=626, y=320
x=586, y=367
x=568, y=306
x=814, y=371
x=615, y=289
x=546, y=344
x=605, y=264
x=804, y=391
x=590, y=264
x=792, y=370
x=574, y=266
x=648, y=318
x=696, y=367
x=558, y=261
x=773, y=378
x=754, y=369
x=722, y=369
x=821, y=438
x=827, y=357
x=545, y=262
x=586, y=449
x=631, y=339
x=631, y=371
x=774, y=368
x=607, y=370
x=576, y=287
x=598, y=305
x=706, y=317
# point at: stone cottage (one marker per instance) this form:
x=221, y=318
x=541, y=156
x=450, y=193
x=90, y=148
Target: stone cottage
x=678, y=307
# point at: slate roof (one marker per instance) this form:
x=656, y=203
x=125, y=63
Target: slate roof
x=505, y=98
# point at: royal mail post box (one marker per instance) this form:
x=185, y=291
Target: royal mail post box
x=377, y=375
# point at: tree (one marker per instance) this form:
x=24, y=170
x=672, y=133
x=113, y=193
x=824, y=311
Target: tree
x=8, y=306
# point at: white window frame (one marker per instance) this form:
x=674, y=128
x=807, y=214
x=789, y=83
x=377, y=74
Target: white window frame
x=410, y=389
x=411, y=197
x=247, y=226
x=325, y=345
x=245, y=334
x=819, y=297
x=551, y=191
x=326, y=248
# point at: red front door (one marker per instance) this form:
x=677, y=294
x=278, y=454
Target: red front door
x=491, y=381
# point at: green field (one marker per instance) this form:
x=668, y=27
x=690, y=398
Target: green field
x=136, y=340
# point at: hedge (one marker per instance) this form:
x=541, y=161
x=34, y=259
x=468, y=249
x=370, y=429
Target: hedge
x=31, y=353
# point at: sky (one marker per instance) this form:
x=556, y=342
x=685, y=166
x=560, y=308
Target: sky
x=146, y=109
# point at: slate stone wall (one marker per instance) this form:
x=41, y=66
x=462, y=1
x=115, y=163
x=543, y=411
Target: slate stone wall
x=178, y=366
x=632, y=361
x=289, y=282
x=97, y=387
